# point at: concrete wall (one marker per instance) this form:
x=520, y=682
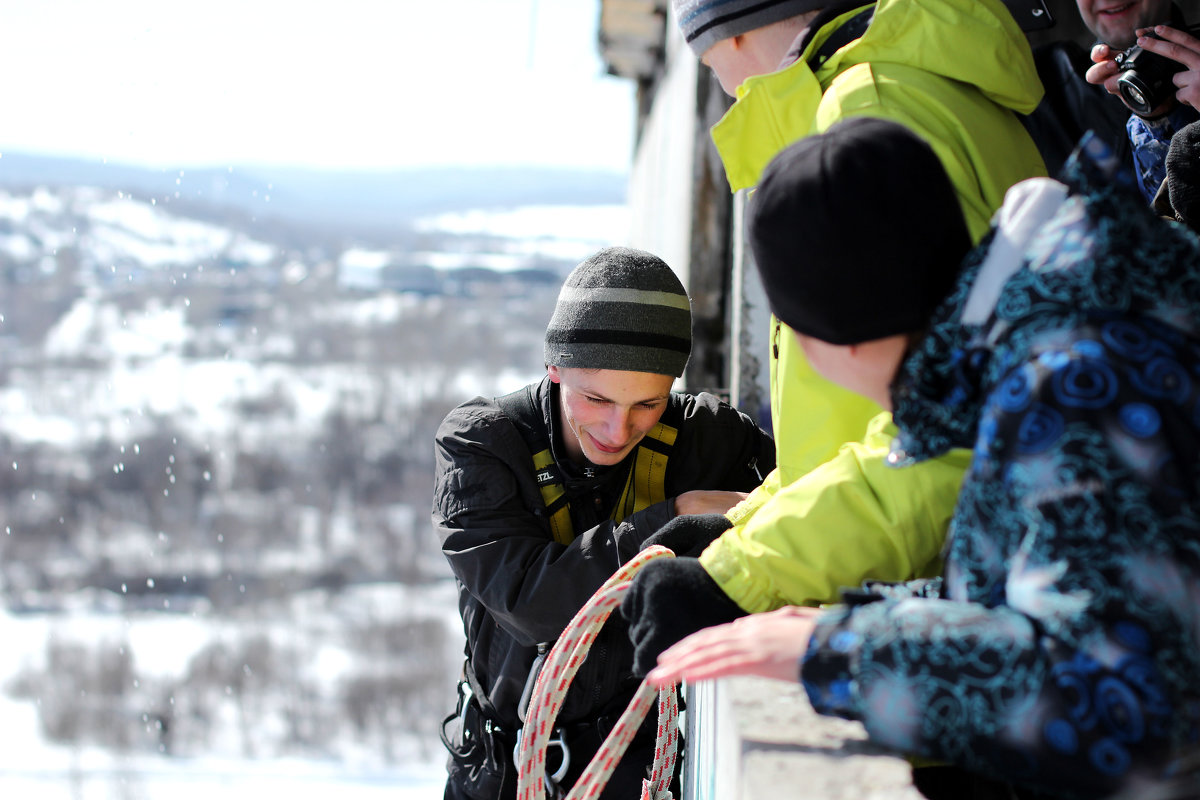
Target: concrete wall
x=660, y=181
x=751, y=738
x=683, y=211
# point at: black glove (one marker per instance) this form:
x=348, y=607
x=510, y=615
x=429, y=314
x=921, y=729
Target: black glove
x=668, y=600
x=689, y=534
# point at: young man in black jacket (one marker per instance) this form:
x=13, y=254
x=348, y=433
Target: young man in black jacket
x=542, y=494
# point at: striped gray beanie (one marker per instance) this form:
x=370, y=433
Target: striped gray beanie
x=621, y=309
x=706, y=22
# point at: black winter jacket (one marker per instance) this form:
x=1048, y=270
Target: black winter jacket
x=517, y=586
x=1072, y=106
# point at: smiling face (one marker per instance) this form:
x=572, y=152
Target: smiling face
x=1114, y=22
x=608, y=411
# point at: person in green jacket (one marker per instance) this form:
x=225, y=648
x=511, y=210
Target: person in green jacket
x=833, y=513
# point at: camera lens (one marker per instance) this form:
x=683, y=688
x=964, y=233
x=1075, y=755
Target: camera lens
x=1134, y=98
x=1139, y=92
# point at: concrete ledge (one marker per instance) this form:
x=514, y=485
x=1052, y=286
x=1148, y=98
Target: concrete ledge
x=750, y=738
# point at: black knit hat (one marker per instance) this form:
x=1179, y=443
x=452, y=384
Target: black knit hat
x=621, y=309
x=706, y=22
x=857, y=232
x=1183, y=175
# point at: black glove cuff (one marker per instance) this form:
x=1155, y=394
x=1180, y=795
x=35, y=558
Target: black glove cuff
x=690, y=534
x=670, y=599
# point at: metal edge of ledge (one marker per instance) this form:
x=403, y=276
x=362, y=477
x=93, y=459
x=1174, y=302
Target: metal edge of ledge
x=711, y=760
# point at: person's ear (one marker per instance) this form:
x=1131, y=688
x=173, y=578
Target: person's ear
x=552, y=371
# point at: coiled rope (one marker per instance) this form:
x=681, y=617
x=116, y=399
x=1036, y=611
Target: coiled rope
x=562, y=662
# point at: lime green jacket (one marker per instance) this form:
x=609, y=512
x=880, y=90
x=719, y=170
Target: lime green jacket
x=833, y=514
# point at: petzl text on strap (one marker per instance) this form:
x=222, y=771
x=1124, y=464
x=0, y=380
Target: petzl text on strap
x=526, y=417
x=550, y=484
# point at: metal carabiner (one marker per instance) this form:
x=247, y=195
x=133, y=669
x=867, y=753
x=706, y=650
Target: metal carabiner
x=561, y=772
x=465, y=694
x=551, y=781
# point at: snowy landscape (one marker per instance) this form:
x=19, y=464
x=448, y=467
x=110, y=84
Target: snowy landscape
x=216, y=568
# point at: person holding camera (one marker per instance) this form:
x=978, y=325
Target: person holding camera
x=1155, y=69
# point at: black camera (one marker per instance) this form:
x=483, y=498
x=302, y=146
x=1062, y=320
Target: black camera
x=1145, y=82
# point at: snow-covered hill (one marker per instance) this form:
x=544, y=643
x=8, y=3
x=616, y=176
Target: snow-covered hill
x=365, y=203
x=217, y=462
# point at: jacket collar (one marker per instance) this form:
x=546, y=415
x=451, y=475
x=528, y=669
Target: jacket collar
x=826, y=15
x=773, y=110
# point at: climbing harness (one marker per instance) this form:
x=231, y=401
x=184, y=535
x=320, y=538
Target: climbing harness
x=562, y=662
x=645, y=484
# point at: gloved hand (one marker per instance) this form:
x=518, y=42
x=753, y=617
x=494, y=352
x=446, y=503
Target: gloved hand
x=669, y=599
x=688, y=535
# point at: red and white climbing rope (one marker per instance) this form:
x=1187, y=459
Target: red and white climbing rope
x=551, y=686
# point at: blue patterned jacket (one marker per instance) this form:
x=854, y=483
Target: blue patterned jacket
x=1063, y=652
x=1150, y=141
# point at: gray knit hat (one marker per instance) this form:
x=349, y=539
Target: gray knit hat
x=706, y=22
x=621, y=309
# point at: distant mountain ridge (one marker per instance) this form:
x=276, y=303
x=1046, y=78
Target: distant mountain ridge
x=358, y=201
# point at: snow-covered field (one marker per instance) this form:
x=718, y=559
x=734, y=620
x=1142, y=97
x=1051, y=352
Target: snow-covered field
x=32, y=767
x=109, y=369
x=29, y=769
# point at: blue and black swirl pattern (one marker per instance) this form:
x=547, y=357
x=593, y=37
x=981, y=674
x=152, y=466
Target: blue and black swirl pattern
x=1064, y=651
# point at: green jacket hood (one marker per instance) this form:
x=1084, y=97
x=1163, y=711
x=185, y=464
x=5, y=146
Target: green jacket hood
x=910, y=66
x=976, y=42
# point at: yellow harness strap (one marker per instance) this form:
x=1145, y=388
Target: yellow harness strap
x=645, y=486
x=560, y=519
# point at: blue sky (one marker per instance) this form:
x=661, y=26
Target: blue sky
x=356, y=83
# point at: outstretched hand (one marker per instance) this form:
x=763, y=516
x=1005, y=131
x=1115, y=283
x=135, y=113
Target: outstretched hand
x=769, y=645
